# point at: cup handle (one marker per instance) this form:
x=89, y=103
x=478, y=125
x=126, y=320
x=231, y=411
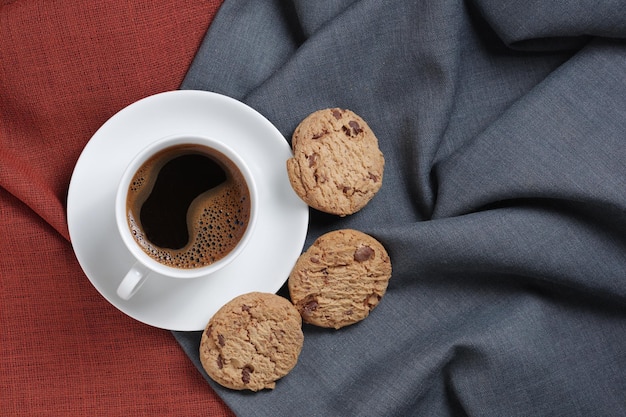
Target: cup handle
x=133, y=280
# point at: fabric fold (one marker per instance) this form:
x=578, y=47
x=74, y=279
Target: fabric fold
x=502, y=206
x=18, y=178
x=537, y=25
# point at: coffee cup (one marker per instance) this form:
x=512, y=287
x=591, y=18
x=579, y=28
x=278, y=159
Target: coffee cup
x=186, y=207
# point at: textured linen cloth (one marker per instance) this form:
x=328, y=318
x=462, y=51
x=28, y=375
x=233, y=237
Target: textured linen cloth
x=65, y=68
x=503, y=205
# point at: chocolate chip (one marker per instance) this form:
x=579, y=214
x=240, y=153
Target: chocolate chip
x=220, y=362
x=314, y=260
x=245, y=374
x=312, y=160
x=337, y=113
x=245, y=308
x=309, y=307
x=373, y=177
x=363, y=254
x=220, y=340
x=346, y=130
x=356, y=128
x=319, y=135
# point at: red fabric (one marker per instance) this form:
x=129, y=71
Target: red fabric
x=65, y=68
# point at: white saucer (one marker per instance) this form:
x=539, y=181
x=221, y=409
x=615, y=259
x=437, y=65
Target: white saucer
x=177, y=304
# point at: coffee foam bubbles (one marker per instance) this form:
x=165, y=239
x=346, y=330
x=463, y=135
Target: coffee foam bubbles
x=216, y=220
x=216, y=224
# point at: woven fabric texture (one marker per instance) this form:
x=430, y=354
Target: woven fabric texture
x=65, y=68
x=503, y=204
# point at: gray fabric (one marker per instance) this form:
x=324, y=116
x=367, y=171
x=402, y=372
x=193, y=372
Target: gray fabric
x=503, y=206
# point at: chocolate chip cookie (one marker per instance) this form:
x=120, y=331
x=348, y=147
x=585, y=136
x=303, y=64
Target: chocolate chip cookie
x=340, y=278
x=337, y=166
x=252, y=341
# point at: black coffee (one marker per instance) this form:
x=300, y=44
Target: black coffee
x=188, y=206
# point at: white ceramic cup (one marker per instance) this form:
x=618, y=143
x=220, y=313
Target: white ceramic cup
x=144, y=264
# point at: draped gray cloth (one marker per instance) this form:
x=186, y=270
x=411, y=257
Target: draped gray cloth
x=503, y=206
